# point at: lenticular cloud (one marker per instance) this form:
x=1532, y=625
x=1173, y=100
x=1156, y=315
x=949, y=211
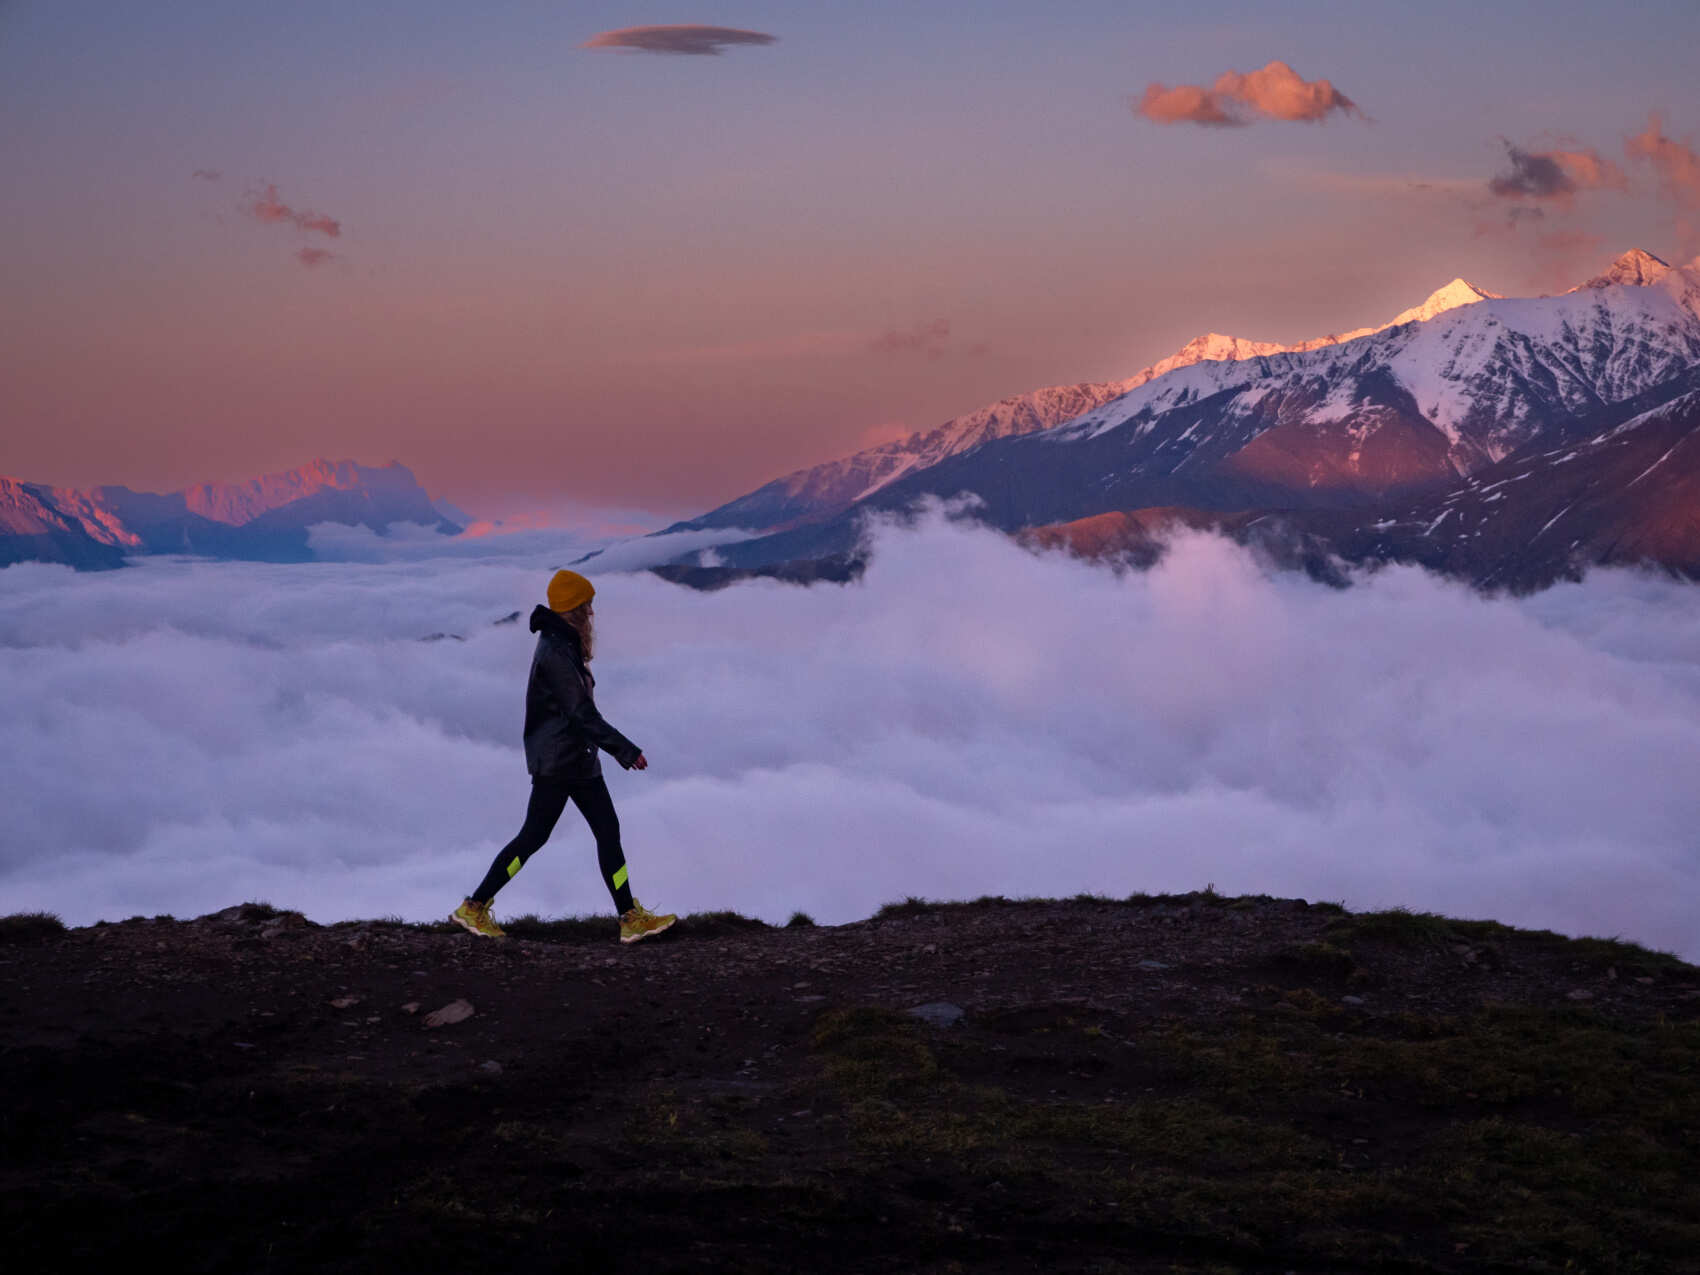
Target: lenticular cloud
x=969, y=718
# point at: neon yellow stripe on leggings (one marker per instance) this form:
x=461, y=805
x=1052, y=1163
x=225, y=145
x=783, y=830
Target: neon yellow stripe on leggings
x=514, y=865
x=620, y=877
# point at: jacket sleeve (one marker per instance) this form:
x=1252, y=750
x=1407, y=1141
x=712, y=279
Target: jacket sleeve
x=573, y=696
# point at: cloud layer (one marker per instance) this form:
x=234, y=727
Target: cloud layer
x=968, y=719
x=687, y=39
x=1276, y=92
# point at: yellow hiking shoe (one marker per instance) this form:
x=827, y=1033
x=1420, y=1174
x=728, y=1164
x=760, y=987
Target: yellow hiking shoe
x=640, y=923
x=475, y=916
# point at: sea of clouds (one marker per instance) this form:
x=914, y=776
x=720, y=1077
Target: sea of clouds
x=969, y=718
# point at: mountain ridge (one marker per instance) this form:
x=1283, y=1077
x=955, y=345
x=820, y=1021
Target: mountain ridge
x=1404, y=414
x=265, y=518
x=821, y=489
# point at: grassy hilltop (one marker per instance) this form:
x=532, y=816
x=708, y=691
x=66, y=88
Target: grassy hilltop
x=1163, y=1083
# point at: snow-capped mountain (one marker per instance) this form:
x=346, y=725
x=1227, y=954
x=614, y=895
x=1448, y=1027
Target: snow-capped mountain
x=1629, y=494
x=1213, y=347
x=263, y=518
x=1635, y=267
x=1487, y=378
x=837, y=484
x=825, y=489
x=1372, y=422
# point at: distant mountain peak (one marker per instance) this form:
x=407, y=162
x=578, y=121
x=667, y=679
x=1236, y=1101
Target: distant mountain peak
x=820, y=490
x=265, y=518
x=1458, y=292
x=1636, y=268
x=236, y=504
x=1215, y=347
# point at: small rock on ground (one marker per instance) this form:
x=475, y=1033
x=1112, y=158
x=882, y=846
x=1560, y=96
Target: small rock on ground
x=938, y=1013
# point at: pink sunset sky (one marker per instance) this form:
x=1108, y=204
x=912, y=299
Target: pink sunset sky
x=597, y=256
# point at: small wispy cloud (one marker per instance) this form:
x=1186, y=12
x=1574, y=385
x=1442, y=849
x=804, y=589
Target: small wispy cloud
x=686, y=39
x=931, y=338
x=206, y=174
x=267, y=206
x=1555, y=175
x=1677, y=166
x=1236, y=99
x=311, y=257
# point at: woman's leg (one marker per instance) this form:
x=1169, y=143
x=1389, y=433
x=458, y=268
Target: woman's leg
x=597, y=807
x=548, y=799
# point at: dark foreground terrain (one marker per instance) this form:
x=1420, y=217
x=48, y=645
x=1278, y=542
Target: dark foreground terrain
x=1183, y=1083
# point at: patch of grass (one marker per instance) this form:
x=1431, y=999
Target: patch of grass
x=29, y=927
x=1619, y=954
x=800, y=921
x=902, y=1100
x=1571, y=1062
x=873, y=1053
x=690, y=1133
x=1544, y=1199
x=1404, y=928
x=536, y=1138
x=438, y=1197
x=1503, y=1139
x=1397, y=926
x=911, y=906
x=562, y=929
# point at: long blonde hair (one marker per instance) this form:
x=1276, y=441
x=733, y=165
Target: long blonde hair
x=584, y=624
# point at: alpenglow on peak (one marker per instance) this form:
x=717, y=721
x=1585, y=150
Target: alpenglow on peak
x=1636, y=268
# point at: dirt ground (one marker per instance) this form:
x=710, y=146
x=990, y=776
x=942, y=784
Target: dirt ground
x=1176, y=1083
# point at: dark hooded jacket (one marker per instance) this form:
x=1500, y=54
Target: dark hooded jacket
x=563, y=730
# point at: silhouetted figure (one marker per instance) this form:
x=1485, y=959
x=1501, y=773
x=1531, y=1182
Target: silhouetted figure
x=563, y=736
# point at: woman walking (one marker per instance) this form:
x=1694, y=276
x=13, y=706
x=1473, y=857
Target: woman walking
x=563, y=732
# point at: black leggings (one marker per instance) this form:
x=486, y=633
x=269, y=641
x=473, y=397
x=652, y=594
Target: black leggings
x=549, y=798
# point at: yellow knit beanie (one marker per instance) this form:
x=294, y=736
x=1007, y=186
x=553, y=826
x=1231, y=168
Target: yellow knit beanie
x=569, y=590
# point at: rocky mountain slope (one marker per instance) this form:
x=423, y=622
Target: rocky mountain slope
x=263, y=518
x=1190, y=1083
x=34, y=527
x=1362, y=429
x=838, y=484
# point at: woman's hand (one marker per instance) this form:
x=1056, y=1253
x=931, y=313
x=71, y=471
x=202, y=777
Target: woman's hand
x=642, y=763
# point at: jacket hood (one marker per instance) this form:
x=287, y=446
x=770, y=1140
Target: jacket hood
x=543, y=620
